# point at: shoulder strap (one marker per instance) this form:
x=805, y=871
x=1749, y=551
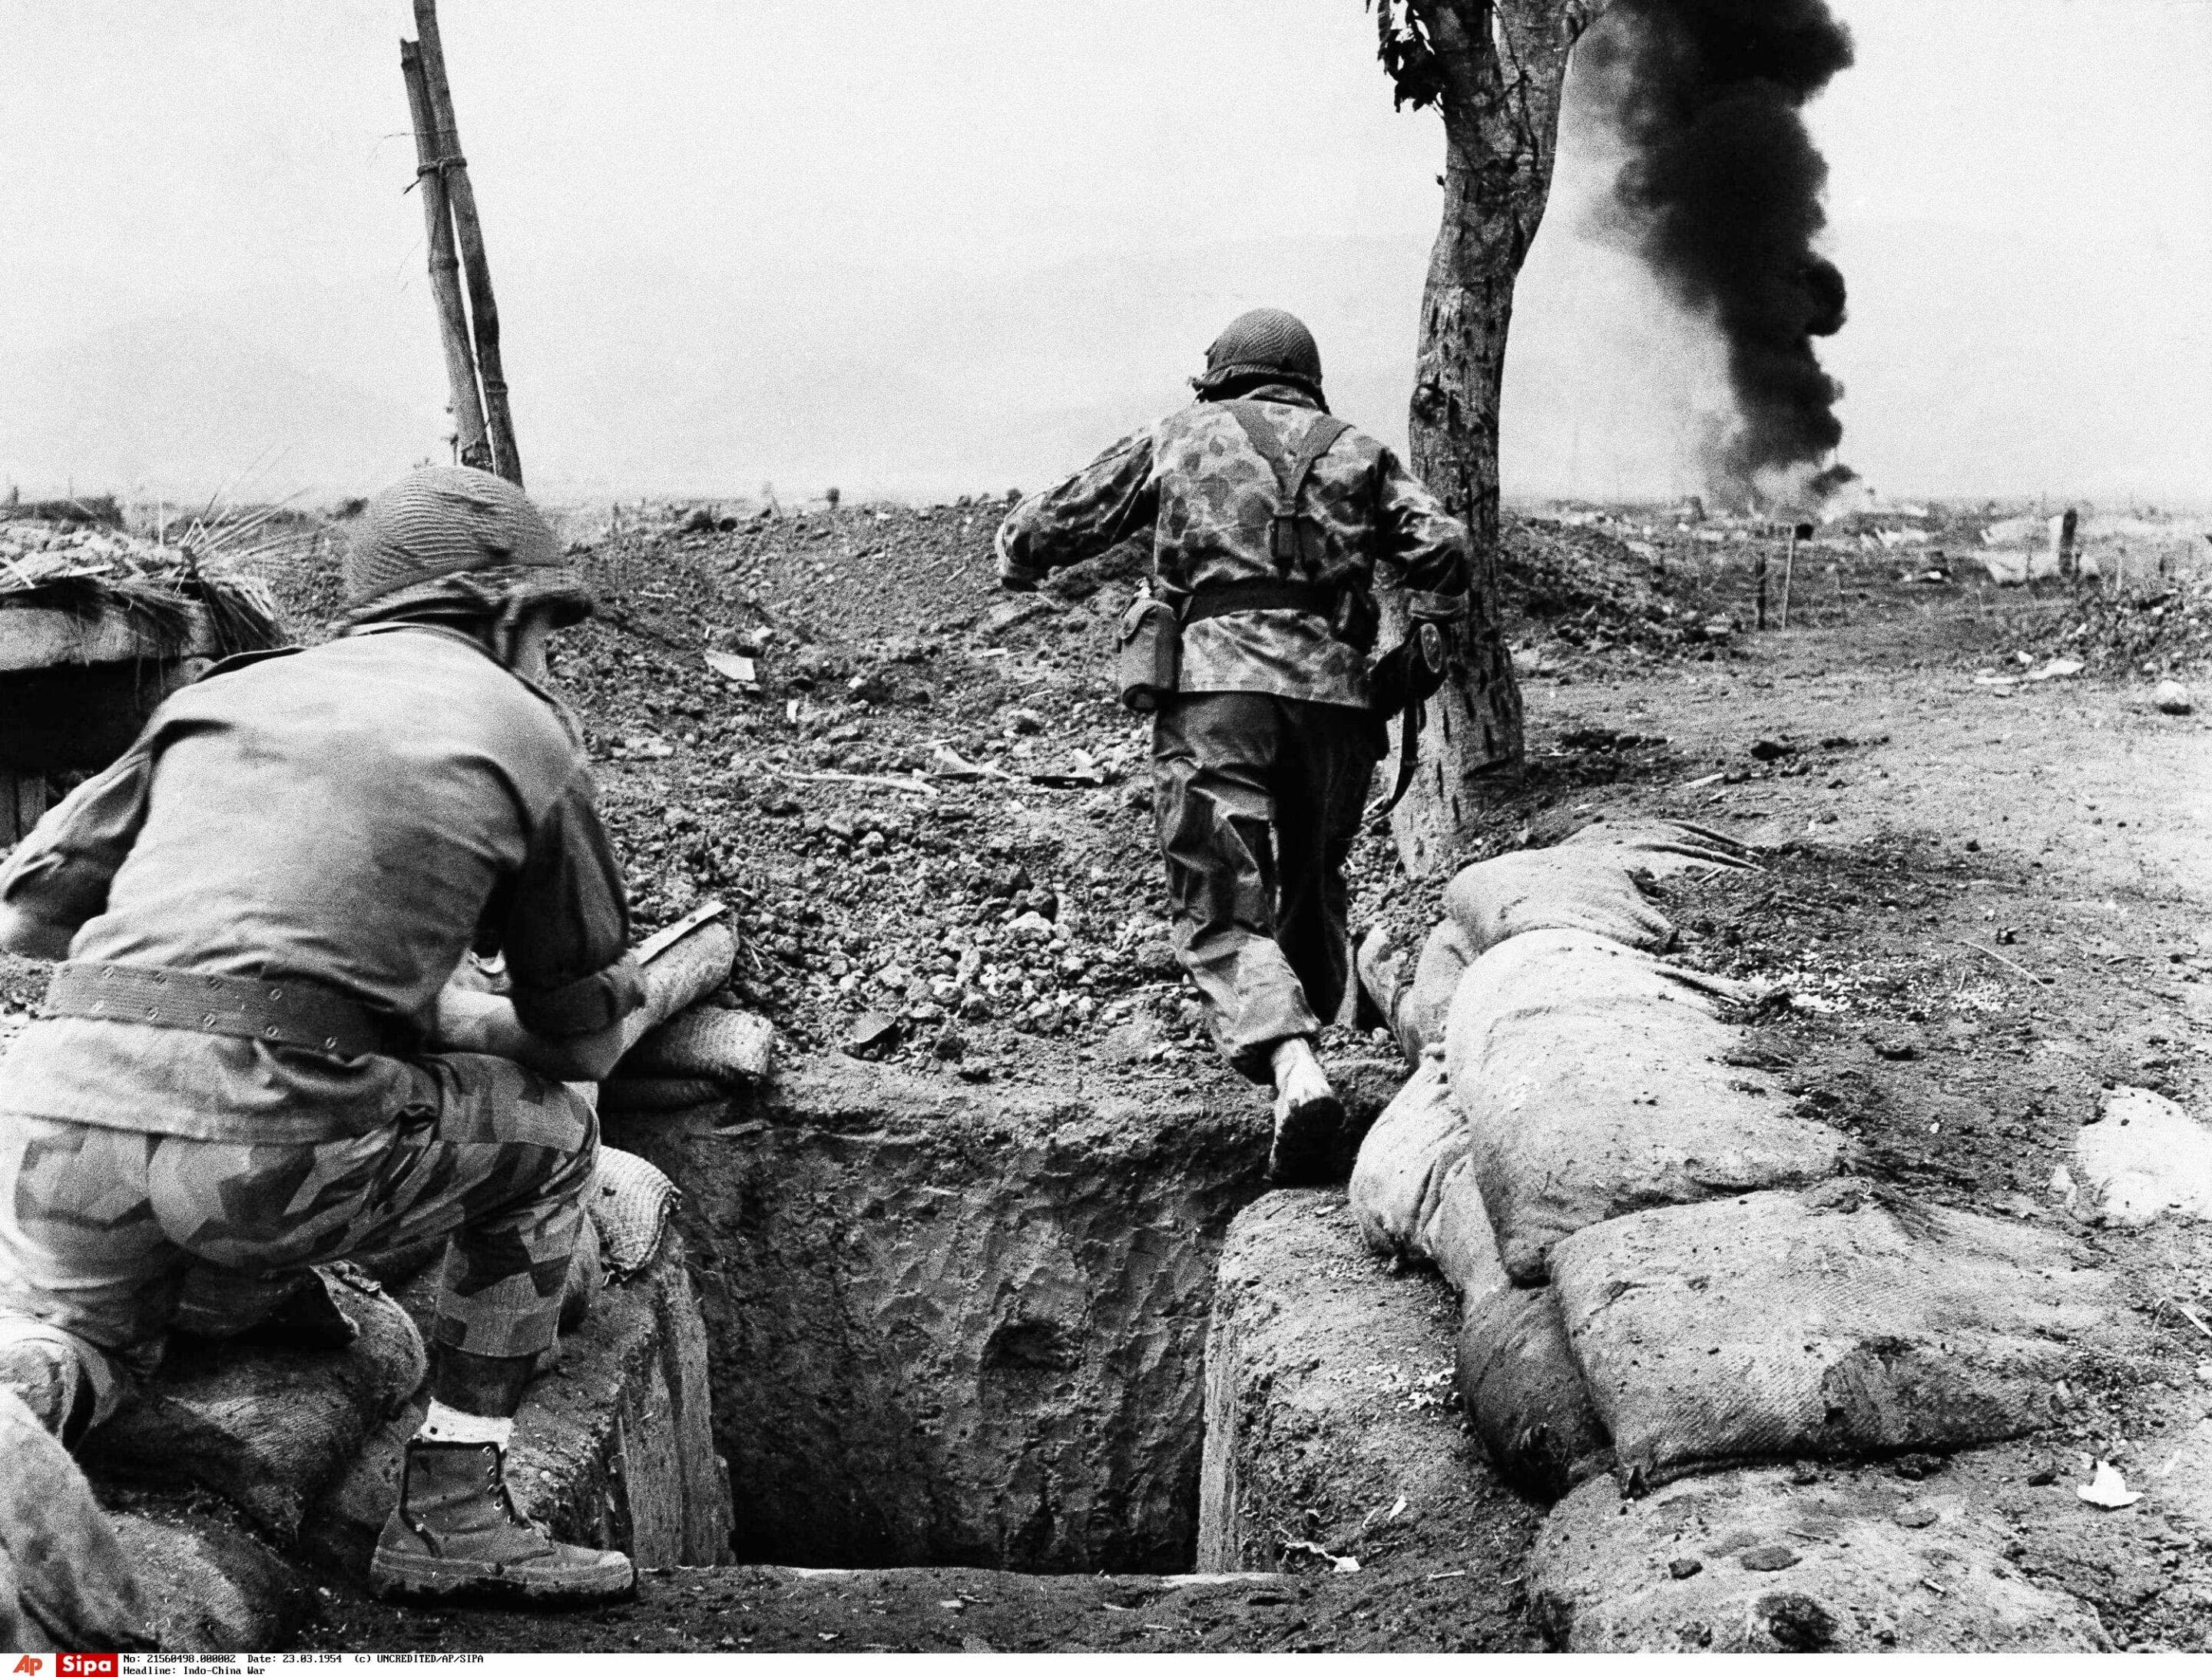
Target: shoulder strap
x=1270, y=445
x=1290, y=475
x=1326, y=429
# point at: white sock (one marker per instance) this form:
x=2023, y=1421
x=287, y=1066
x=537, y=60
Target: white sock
x=442, y=1425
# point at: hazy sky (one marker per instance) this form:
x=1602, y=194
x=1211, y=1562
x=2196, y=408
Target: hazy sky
x=930, y=248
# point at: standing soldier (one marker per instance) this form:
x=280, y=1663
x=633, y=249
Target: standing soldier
x=1272, y=522
x=255, y=1064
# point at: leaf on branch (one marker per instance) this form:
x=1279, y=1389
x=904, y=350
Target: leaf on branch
x=1417, y=74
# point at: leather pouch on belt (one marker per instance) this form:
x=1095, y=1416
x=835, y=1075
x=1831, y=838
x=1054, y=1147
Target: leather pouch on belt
x=1409, y=674
x=1148, y=655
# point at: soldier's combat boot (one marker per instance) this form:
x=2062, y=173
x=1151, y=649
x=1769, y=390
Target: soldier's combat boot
x=1308, y=1117
x=457, y=1532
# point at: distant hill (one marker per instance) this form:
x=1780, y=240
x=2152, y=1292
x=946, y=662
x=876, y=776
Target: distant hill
x=185, y=407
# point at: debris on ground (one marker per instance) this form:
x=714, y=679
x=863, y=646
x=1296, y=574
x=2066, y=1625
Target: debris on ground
x=2157, y=626
x=2108, y=1488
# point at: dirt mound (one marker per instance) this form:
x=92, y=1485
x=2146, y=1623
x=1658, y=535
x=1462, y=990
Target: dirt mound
x=2161, y=629
x=1580, y=585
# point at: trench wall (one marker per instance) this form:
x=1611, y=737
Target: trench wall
x=958, y=1327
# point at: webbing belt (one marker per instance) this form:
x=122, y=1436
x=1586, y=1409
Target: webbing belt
x=1262, y=594
x=289, y=1010
x=1283, y=545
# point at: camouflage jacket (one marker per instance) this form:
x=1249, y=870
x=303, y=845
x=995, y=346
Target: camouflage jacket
x=1208, y=495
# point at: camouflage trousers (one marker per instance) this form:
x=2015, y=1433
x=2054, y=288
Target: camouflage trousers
x=106, y=1234
x=1257, y=800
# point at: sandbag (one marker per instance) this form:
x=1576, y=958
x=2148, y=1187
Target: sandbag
x=1401, y=1168
x=1556, y=890
x=622, y=1093
x=1413, y=998
x=1516, y=1377
x=629, y=1202
x=265, y=1428
x=1564, y=966
x=1413, y=1195
x=1596, y=1081
x=1425, y=1008
x=724, y=1044
x=680, y=975
x=1663, y=848
x=1844, y=1321
x=1603, y=879
x=1517, y=1382
x=65, y=1582
x=209, y=1589
x=1455, y=1235
x=1750, y=1561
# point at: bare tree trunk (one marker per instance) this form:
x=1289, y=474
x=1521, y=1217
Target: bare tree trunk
x=483, y=312
x=445, y=268
x=1502, y=67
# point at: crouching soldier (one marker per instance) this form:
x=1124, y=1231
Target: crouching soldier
x=253, y=1063
x=1271, y=524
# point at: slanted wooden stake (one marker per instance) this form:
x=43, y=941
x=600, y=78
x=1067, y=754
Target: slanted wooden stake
x=483, y=312
x=1759, y=580
x=445, y=267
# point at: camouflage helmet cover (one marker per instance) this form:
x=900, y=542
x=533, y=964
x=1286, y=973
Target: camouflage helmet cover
x=1261, y=342
x=453, y=537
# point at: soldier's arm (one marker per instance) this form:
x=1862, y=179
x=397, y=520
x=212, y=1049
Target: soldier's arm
x=1102, y=506
x=58, y=878
x=567, y=943
x=476, y=1022
x=1424, y=546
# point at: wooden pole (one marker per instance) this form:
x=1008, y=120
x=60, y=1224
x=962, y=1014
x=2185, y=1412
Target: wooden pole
x=445, y=267
x=1758, y=579
x=483, y=312
x=1789, y=568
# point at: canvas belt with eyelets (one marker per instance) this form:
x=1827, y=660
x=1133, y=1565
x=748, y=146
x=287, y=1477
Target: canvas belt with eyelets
x=288, y=1011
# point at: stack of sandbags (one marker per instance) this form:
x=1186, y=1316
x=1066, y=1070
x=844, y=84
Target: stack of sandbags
x=698, y=1057
x=1662, y=1265
x=1596, y=1080
x=265, y=1426
x=1413, y=1195
x=682, y=1050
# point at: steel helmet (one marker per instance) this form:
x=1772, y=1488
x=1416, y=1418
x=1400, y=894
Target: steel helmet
x=452, y=537
x=1262, y=341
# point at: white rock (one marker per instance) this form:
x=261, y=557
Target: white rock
x=2144, y=1157
x=2172, y=698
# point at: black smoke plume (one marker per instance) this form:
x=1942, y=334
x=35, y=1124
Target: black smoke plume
x=1720, y=196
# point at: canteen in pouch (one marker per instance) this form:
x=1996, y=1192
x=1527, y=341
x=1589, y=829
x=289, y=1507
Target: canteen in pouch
x=1148, y=655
